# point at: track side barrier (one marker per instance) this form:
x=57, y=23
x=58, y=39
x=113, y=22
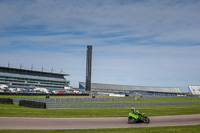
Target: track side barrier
x=6, y=101
x=110, y=105
x=32, y=104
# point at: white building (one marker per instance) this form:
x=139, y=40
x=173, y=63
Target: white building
x=195, y=90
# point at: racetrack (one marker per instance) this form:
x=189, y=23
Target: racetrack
x=89, y=123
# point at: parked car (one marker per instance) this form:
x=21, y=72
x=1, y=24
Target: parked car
x=60, y=92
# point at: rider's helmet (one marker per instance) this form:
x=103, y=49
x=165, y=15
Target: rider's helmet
x=133, y=108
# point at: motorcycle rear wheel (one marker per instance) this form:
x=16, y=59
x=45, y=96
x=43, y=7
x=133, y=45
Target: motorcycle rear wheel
x=131, y=121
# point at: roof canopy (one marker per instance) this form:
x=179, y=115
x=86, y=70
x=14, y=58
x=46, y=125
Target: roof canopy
x=31, y=71
x=112, y=87
x=195, y=90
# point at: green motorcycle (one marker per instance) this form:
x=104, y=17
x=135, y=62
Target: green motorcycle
x=133, y=118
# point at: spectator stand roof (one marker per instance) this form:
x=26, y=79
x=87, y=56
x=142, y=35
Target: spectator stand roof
x=195, y=90
x=31, y=74
x=117, y=88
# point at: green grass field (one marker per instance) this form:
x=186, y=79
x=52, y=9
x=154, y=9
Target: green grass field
x=175, y=129
x=16, y=111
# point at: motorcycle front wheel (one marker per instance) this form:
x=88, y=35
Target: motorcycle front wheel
x=146, y=120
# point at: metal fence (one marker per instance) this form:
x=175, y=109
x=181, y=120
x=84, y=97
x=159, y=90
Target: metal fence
x=83, y=102
x=61, y=100
x=89, y=99
x=106, y=105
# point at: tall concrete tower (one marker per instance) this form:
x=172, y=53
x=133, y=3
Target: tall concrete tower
x=88, y=69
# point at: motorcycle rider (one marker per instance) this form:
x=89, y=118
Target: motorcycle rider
x=136, y=112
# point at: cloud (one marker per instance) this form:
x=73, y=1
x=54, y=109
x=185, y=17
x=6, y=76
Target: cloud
x=147, y=65
x=134, y=42
x=103, y=17
x=120, y=64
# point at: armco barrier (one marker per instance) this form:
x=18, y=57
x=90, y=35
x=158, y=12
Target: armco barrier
x=85, y=99
x=6, y=101
x=109, y=105
x=22, y=102
x=61, y=100
x=32, y=104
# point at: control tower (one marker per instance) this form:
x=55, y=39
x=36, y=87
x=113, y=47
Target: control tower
x=88, y=68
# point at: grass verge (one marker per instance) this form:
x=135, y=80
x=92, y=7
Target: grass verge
x=175, y=129
x=15, y=110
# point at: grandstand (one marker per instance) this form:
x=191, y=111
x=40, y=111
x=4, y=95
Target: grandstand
x=195, y=90
x=135, y=90
x=29, y=79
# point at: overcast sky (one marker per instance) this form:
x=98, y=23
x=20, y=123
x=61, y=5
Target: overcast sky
x=135, y=42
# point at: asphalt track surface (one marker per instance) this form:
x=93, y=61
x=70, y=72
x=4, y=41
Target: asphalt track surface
x=91, y=123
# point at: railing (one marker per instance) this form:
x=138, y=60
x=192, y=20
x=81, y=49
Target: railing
x=64, y=100
x=86, y=102
x=89, y=99
x=110, y=105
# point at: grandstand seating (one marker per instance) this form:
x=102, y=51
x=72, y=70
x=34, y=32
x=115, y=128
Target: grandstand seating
x=29, y=78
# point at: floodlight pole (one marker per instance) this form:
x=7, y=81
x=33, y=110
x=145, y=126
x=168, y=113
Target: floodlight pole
x=88, y=69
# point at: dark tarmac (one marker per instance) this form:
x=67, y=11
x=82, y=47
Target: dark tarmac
x=91, y=123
